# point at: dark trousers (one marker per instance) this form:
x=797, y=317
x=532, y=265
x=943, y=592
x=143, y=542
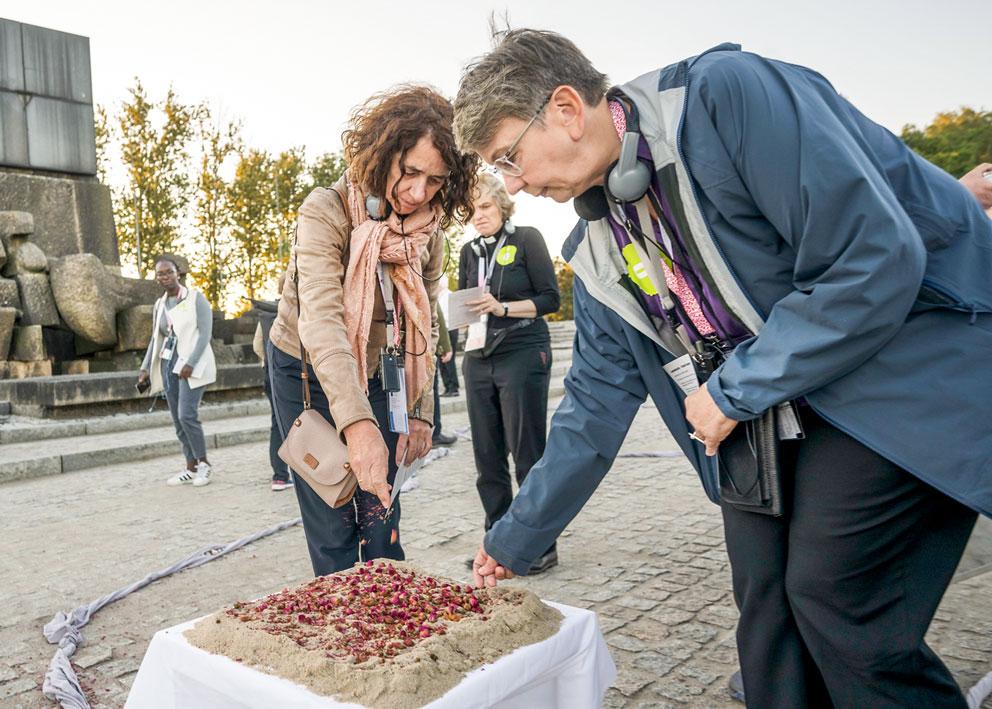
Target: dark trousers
x=437, y=399
x=836, y=595
x=280, y=471
x=336, y=537
x=507, y=397
x=449, y=371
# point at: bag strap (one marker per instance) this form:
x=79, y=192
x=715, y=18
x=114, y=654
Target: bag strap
x=304, y=374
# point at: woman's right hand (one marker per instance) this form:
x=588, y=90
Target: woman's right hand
x=369, y=458
x=142, y=376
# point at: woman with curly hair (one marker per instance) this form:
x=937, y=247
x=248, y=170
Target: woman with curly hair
x=374, y=237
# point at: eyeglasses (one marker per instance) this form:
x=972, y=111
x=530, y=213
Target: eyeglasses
x=504, y=164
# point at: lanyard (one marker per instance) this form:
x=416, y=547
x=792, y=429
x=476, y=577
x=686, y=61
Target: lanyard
x=486, y=273
x=386, y=286
x=183, y=292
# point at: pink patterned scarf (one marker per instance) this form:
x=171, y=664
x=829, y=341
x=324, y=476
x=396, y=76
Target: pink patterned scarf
x=400, y=245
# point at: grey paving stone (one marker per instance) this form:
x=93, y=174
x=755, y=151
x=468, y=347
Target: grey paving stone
x=12, y=689
x=658, y=664
x=637, y=602
x=630, y=681
x=696, y=632
x=625, y=642
x=90, y=656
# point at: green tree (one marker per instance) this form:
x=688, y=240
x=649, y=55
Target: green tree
x=212, y=244
x=565, y=277
x=101, y=125
x=154, y=141
x=955, y=141
x=254, y=233
x=290, y=188
x=326, y=169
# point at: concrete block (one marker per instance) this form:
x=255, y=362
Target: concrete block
x=37, y=302
x=81, y=288
x=24, y=370
x=7, y=318
x=13, y=129
x=72, y=214
x=75, y=366
x=61, y=135
x=56, y=64
x=11, y=56
x=32, y=468
x=134, y=328
x=23, y=257
x=9, y=296
x=28, y=344
x=15, y=223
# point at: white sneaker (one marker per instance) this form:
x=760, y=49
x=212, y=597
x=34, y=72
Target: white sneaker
x=183, y=477
x=202, y=474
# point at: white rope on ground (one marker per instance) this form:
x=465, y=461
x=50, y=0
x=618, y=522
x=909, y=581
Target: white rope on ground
x=980, y=692
x=61, y=684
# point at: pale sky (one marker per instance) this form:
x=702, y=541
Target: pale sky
x=292, y=70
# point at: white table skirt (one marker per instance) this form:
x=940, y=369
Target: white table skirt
x=572, y=669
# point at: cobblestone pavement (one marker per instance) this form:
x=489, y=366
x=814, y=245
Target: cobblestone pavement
x=646, y=554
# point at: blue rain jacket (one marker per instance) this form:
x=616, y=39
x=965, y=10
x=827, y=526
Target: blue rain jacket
x=869, y=271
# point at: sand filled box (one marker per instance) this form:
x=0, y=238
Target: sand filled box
x=381, y=634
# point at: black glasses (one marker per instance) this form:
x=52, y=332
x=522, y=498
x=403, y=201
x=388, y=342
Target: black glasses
x=504, y=164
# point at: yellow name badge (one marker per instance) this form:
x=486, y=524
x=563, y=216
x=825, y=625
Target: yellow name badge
x=637, y=271
x=506, y=255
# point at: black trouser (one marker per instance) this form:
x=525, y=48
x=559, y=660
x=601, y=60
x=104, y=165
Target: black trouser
x=334, y=536
x=449, y=371
x=507, y=397
x=437, y=399
x=836, y=595
x=280, y=471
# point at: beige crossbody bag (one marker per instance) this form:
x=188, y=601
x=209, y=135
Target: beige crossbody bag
x=313, y=448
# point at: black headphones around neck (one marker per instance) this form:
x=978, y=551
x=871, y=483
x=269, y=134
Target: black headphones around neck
x=627, y=179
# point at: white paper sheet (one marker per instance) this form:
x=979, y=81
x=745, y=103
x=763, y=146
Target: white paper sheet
x=459, y=314
x=572, y=668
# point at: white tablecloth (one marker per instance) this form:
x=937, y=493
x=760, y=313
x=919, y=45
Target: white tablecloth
x=572, y=669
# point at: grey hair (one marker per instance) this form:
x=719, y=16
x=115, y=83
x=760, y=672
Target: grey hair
x=515, y=78
x=491, y=186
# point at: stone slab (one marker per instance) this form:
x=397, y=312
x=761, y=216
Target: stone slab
x=72, y=214
x=134, y=328
x=10, y=297
x=13, y=369
x=28, y=344
x=7, y=318
x=37, y=302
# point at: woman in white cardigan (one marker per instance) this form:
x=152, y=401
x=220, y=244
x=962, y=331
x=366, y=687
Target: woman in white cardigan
x=180, y=361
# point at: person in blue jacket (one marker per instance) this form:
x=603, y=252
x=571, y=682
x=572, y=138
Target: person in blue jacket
x=744, y=219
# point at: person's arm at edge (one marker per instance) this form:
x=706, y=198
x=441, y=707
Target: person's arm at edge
x=603, y=391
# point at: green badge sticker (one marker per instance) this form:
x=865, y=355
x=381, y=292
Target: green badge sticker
x=506, y=255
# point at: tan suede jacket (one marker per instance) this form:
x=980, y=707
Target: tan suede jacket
x=321, y=253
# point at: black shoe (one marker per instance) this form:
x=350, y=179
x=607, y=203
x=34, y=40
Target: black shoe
x=449, y=394
x=543, y=563
x=735, y=685
x=444, y=439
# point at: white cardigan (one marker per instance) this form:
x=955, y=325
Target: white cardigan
x=184, y=325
